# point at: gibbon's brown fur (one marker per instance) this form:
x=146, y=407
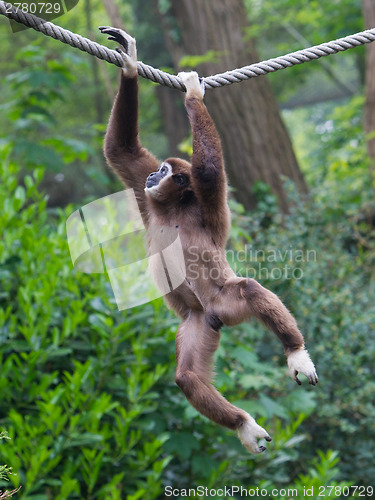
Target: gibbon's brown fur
x=196, y=205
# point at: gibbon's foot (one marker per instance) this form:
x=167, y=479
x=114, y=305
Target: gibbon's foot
x=194, y=86
x=299, y=362
x=128, y=48
x=250, y=432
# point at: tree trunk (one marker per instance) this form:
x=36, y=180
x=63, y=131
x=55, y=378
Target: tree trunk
x=256, y=144
x=174, y=120
x=369, y=108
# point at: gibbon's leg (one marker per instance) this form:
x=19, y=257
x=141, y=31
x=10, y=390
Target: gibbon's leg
x=196, y=341
x=242, y=298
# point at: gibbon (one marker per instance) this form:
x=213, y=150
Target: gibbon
x=192, y=197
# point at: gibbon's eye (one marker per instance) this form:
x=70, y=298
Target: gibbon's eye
x=180, y=179
x=163, y=170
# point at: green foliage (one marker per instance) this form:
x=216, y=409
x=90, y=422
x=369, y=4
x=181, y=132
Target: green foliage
x=192, y=61
x=5, y=472
x=78, y=382
x=4, y=469
x=285, y=26
x=312, y=259
x=330, y=146
x=88, y=396
x=36, y=87
x=319, y=481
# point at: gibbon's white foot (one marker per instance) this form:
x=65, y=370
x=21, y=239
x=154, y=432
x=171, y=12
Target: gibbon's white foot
x=250, y=432
x=193, y=85
x=299, y=362
x=128, y=48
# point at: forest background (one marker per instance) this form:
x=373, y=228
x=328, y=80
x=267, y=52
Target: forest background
x=88, y=397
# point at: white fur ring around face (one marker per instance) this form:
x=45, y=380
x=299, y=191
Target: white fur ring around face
x=250, y=432
x=299, y=362
x=192, y=83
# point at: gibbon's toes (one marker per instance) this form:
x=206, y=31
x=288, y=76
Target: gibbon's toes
x=299, y=362
x=296, y=378
x=250, y=432
x=313, y=378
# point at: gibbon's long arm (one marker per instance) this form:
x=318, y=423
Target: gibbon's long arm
x=123, y=123
x=122, y=147
x=207, y=161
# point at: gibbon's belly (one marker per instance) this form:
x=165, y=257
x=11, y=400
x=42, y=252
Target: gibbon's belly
x=200, y=271
x=199, y=289
x=183, y=299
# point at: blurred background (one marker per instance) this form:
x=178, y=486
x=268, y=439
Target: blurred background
x=88, y=399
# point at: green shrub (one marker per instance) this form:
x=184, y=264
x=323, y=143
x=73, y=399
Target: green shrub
x=77, y=378
x=88, y=393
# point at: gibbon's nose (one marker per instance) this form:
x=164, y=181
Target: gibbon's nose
x=152, y=179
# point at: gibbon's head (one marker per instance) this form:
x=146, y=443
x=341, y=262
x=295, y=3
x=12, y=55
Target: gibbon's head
x=171, y=183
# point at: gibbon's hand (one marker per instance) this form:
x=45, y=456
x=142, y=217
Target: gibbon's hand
x=194, y=86
x=299, y=362
x=128, y=48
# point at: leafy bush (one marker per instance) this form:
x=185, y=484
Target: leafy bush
x=88, y=393
x=77, y=380
x=329, y=286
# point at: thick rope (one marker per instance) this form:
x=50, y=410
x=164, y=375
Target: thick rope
x=227, y=78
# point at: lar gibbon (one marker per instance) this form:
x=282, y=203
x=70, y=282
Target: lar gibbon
x=192, y=197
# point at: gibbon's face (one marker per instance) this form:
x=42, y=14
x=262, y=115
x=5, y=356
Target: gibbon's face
x=171, y=182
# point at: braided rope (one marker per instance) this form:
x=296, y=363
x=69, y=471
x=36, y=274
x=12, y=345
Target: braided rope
x=158, y=76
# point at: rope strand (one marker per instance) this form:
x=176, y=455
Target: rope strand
x=158, y=76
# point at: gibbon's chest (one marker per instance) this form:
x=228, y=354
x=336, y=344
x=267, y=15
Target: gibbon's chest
x=191, y=259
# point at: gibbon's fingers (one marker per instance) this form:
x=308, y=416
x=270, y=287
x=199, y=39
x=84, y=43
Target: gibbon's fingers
x=128, y=43
x=116, y=36
x=194, y=84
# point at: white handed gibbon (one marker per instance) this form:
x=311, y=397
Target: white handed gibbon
x=192, y=197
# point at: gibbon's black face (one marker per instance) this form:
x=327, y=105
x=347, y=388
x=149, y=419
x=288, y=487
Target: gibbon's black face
x=171, y=180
